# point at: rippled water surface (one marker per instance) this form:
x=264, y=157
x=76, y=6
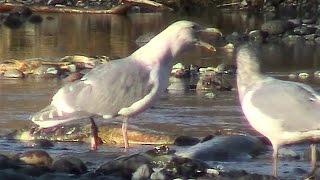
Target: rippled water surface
x=190, y=113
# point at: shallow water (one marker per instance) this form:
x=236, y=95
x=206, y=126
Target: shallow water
x=181, y=113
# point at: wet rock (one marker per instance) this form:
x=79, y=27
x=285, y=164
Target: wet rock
x=293, y=39
x=317, y=40
x=212, y=80
x=226, y=68
x=222, y=148
x=143, y=172
x=6, y=162
x=36, y=157
x=310, y=37
x=73, y=77
x=42, y=143
x=304, y=30
x=13, y=73
x=179, y=71
x=186, y=141
x=178, y=85
x=11, y=174
x=46, y=71
x=257, y=36
x=13, y=21
x=69, y=165
x=180, y=167
x=35, y=19
x=34, y=171
x=21, y=11
x=158, y=174
x=57, y=176
x=124, y=166
x=295, y=22
x=275, y=27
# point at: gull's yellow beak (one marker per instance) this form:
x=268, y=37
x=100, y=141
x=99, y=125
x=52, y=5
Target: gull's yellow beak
x=208, y=32
x=205, y=45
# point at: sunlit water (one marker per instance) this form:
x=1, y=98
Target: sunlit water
x=190, y=113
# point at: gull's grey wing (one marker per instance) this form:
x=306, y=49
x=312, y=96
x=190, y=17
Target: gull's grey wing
x=295, y=105
x=107, y=89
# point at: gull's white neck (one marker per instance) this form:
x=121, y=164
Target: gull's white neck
x=248, y=73
x=159, y=50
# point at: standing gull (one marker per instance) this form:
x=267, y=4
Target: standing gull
x=123, y=87
x=283, y=111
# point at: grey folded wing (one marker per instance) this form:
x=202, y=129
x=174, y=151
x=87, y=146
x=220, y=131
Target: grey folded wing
x=293, y=104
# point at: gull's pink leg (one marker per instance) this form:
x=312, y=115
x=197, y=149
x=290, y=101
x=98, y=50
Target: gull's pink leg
x=313, y=161
x=274, y=161
x=125, y=133
x=94, y=134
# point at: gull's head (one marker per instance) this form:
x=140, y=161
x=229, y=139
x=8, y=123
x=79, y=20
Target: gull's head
x=183, y=34
x=174, y=39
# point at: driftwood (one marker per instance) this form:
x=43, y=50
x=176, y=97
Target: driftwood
x=120, y=9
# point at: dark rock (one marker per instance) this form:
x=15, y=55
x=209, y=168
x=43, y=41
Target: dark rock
x=222, y=148
x=13, y=73
x=123, y=166
x=236, y=37
x=13, y=21
x=42, y=143
x=56, y=176
x=275, y=27
x=11, y=174
x=310, y=37
x=186, y=141
x=21, y=11
x=70, y=165
x=35, y=19
x=212, y=80
x=36, y=157
x=257, y=36
x=143, y=172
x=207, y=138
x=185, y=168
x=34, y=171
x=73, y=77
x=295, y=22
x=293, y=39
x=304, y=30
x=6, y=162
x=317, y=40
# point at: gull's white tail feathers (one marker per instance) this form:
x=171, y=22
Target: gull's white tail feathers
x=51, y=116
